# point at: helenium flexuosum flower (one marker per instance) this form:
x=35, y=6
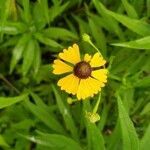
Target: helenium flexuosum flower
x=84, y=77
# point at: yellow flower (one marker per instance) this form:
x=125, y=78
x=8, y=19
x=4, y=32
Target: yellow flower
x=84, y=77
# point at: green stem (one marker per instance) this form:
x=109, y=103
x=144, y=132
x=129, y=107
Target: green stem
x=9, y=84
x=97, y=104
x=86, y=38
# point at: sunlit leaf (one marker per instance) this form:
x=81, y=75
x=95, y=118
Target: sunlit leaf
x=8, y=101
x=51, y=141
x=142, y=43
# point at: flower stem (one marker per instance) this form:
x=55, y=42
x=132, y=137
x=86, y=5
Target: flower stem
x=86, y=38
x=97, y=104
x=9, y=84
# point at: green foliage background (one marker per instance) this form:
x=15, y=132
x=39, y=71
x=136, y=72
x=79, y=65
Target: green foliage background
x=34, y=113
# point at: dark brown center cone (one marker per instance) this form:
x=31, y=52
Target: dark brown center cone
x=82, y=70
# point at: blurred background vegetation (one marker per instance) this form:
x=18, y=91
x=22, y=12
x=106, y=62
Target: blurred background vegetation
x=34, y=113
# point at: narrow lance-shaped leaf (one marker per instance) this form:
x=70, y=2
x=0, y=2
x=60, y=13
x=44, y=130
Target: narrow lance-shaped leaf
x=45, y=9
x=54, y=141
x=130, y=9
x=37, y=58
x=56, y=10
x=98, y=36
x=96, y=138
x=145, y=144
x=18, y=51
x=26, y=6
x=94, y=135
x=129, y=136
x=45, y=40
x=138, y=26
x=8, y=101
x=112, y=23
x=28, y=56
x=55, y=32
x=12, y=28
x=144, y=82
x=3, y=143
x=142, y=43
x=45, y=117
x=66, y=114
x=6, y=12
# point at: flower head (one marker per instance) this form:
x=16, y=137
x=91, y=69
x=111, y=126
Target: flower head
x=84, y=77
x=92, y=117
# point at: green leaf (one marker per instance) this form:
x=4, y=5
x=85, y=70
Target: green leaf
x=28, y=56
x=37, y=58
x=138, y=26
x=8, y=101
x=113, y=25
x=142, y=43
x=70, y=125
x=3, y=142
x=18, y=51
x=6, y=12
x=47, y=118
x=83, y=25
x=146, y=109
x=145, y=82
x=95, y=136
x=56, y=10
x=55, y=32
x=54, y=141
x=145, y=144
x=44, y=9
x=148, y=8
x=26, y=12
x=114, y=139
x=39, y=16
x=39, y=102
x=12, y=28
x=129, y=9
x=129, y=136
x=47, y=41
x=98, y=36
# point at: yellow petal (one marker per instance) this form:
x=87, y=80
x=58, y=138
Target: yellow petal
x=87, y=57
x=97, y=60
x=60, y=67
x=88, y=87
x=100, y=75
x=95, y=85
x=69, y=84
x=71, y=54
